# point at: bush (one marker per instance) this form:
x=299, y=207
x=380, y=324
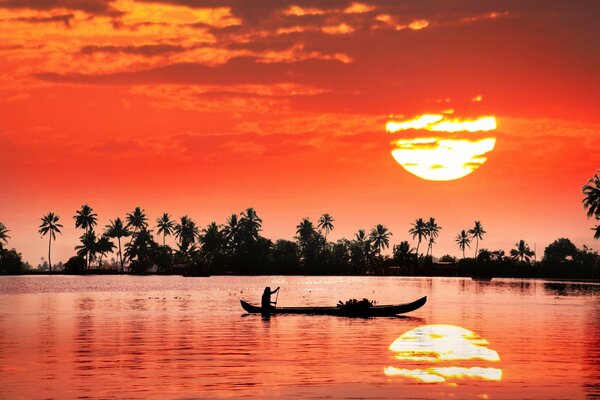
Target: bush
x=75, y=265
x=11, y=262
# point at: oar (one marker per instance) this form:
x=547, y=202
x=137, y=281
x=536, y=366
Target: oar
x=276, y=298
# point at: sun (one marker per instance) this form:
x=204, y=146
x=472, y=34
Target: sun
x=438, y=147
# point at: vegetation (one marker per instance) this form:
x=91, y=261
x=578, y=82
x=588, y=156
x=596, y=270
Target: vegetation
x=591, y=201
x=50, y=227
x=238, y=247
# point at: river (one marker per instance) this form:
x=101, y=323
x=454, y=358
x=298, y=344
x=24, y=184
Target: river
x=175, y=337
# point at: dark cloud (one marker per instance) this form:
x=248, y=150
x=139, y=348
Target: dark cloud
x=65, y=19
x=144, y=50
x=96, y=7
x=244, y=70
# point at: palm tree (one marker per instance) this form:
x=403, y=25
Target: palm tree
x=326, y=224
x=521, y=252
x=591, y=191
x=116, y=229
x=165, y=226
x=50, y=226
x=477, y=233
x=85, y=218
x=463, y=241
x=364, y=241
x=137, y=219
x=104, y=246
x=305, y=231
x=187, y=232
x=3, y=237
x=380, y=237
x=591, y=201
x=88, y=246
x=250, y=225
x=432, y=231
x=419, y=229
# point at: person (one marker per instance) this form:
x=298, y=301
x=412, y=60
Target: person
x=266, y=302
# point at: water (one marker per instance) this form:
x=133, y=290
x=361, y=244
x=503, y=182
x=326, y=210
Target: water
x=174, y=337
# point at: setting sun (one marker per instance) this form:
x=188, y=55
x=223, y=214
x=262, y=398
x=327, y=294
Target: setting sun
x=442, y=158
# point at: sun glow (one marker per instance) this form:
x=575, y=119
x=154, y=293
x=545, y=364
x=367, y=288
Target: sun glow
x=440, y=344
x=442, y=158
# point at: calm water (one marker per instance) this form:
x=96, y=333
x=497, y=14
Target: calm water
x=175, y=337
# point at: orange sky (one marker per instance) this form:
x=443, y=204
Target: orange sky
x=206, y=107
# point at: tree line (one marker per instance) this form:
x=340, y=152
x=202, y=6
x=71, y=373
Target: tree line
x=237, y=247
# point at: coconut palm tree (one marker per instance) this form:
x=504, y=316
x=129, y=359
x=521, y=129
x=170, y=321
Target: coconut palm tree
x=597, y=231
x=186, y=232
x=521, y=252
x=85, y=218
x=477, y=233
x=463, y=241
x=137, y=220
x=591, y=191
x=165, y=226
x=433, y=231
x=250, y=225
x=3, y=237
x=50, y=227
x=380, y=237
x=326, y=224
x=591, y=201
x=103, y=247
x=88, y=246
x=418, y=230
x=116, y=229
x=305, y=230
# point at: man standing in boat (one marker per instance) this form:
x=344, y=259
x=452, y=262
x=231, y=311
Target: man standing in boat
x=266, y=302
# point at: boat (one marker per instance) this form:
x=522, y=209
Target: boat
x=375, y=311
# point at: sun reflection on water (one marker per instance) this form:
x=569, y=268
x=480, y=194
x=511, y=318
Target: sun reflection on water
x=441, y=344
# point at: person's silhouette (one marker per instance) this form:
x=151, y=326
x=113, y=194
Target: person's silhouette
x=266, y=303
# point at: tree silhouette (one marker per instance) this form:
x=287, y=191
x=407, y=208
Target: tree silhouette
x=521, y=252
x=103, y=247
x=186, y=232
x=591, y=200
x=432, y=232
x=418, y=230
x=50, y=227
x=402, y=252
x=88, y=246
x=380, y=237
x=86, y=219
x=250, y=225
x=326, y=224
x=305, y=231
x=165, y=226
x=116, y=229
x=137, y=220
x=477, y=233
x=463, y=241
x=3, y=238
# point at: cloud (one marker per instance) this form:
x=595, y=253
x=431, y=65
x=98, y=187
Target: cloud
x=96, y=7
x=64, y=18
x=144, y=50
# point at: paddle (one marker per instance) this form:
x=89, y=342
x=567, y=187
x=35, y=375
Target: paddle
x=276, y=298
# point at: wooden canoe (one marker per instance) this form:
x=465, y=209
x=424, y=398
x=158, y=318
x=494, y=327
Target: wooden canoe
x=375, y=311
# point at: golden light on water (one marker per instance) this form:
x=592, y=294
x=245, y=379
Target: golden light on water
x=442, y=158
x=435, y=344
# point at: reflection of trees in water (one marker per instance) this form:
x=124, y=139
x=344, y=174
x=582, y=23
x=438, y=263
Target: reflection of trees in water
x=591, y=358
x=571, y=289
x=84, y=349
